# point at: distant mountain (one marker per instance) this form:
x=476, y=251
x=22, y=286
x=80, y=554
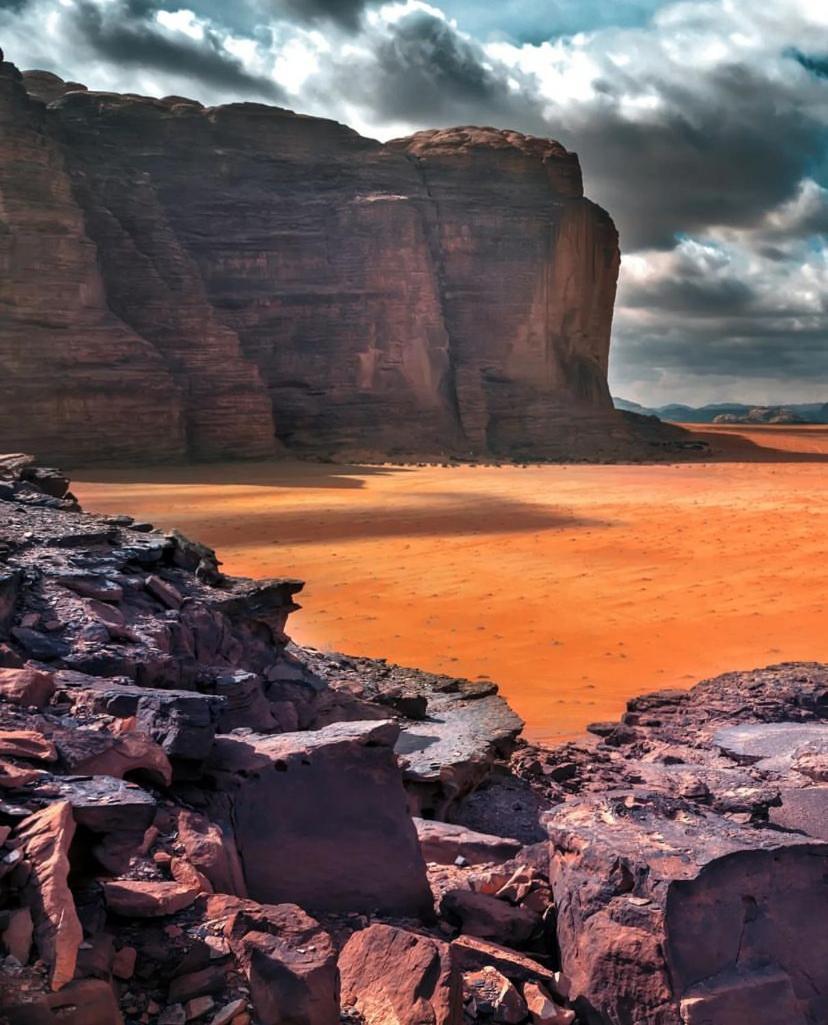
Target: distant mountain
x=732, y=412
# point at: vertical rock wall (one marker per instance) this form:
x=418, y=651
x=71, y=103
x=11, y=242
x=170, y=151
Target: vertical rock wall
x=233, y=281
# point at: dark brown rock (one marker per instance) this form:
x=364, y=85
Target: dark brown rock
x=161, y=324
x=320, y=817
x=686, y=916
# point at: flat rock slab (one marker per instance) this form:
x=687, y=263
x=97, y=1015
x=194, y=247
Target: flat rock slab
x=450, y=752
x=443, y=842
x=804, y=810
x=103, y=804
x=771, y=746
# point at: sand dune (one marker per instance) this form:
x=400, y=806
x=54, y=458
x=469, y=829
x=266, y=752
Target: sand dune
x=573, y=586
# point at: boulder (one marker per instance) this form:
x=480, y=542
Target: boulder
x=443, y=843
x=290, y=961
x=131, y=898
x=684, y=915
x=489, y=918
x=127, y=754
x=543, y=1009
x=212, y=852
x=26, y=686
x=394, y=977
x=471, y=954
x=451, y=752
x=320, y=817
x=27, y=744
x=489, y=995
x=17, y=936
x=45, y=839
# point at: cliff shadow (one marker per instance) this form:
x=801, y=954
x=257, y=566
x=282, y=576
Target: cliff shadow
x=761, y=443
x=268, y=474
x=442, y=516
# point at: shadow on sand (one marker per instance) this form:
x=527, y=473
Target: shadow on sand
x=762, y=443
x=444, y=516
x=276, y=473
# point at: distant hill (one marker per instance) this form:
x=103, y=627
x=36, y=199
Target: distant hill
x=732, y=412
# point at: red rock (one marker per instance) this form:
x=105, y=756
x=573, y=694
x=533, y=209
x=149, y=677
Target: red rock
x=469, y=953
x=26, y=744
x=211, y=979
x=13, y=776
x=487, y=917
x=198, y=1007
x=95, y=956
x=185, y=874
x=123, y=964
x=129, y=753
x=26, y=686
x=542, y=1007
x=211, y=852
x=676, y=911
x=443, y=842
x=45, y=838
x=289, y=959
x=147, y=899
x=86, y=1002
x=491, y=995
x=157, y=323
x=228, y=1013
x=394, y=977
x=17, y=937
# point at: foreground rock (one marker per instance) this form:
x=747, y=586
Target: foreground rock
x=150, y=329
x=201, y=822
x=395, y=977
x=686, y=875
x=308, y=809
x=179, y=787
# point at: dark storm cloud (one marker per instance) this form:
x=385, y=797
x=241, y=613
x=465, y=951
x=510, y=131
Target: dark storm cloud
x=699, y=296
x=420, y=70
x=347, y=13
x=751, y=349
x=126, y=33
x=721, y=150
x=725, y=157
x=817, y=65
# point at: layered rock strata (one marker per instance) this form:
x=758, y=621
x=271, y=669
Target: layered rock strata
x=190, y=282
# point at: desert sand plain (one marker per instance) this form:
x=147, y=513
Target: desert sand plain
x=575, y=587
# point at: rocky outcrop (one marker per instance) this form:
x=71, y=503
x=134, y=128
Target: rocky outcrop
x=181, y=281
x=200, y=821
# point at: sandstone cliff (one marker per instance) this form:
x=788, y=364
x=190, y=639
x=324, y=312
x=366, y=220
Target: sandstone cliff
x=181, y=281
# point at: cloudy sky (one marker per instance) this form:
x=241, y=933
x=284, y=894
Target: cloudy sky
x=702, y=126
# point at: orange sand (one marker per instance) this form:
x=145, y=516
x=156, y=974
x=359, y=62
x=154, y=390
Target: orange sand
x=573, y=586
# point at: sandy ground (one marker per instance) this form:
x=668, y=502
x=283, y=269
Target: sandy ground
x=575, y=587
